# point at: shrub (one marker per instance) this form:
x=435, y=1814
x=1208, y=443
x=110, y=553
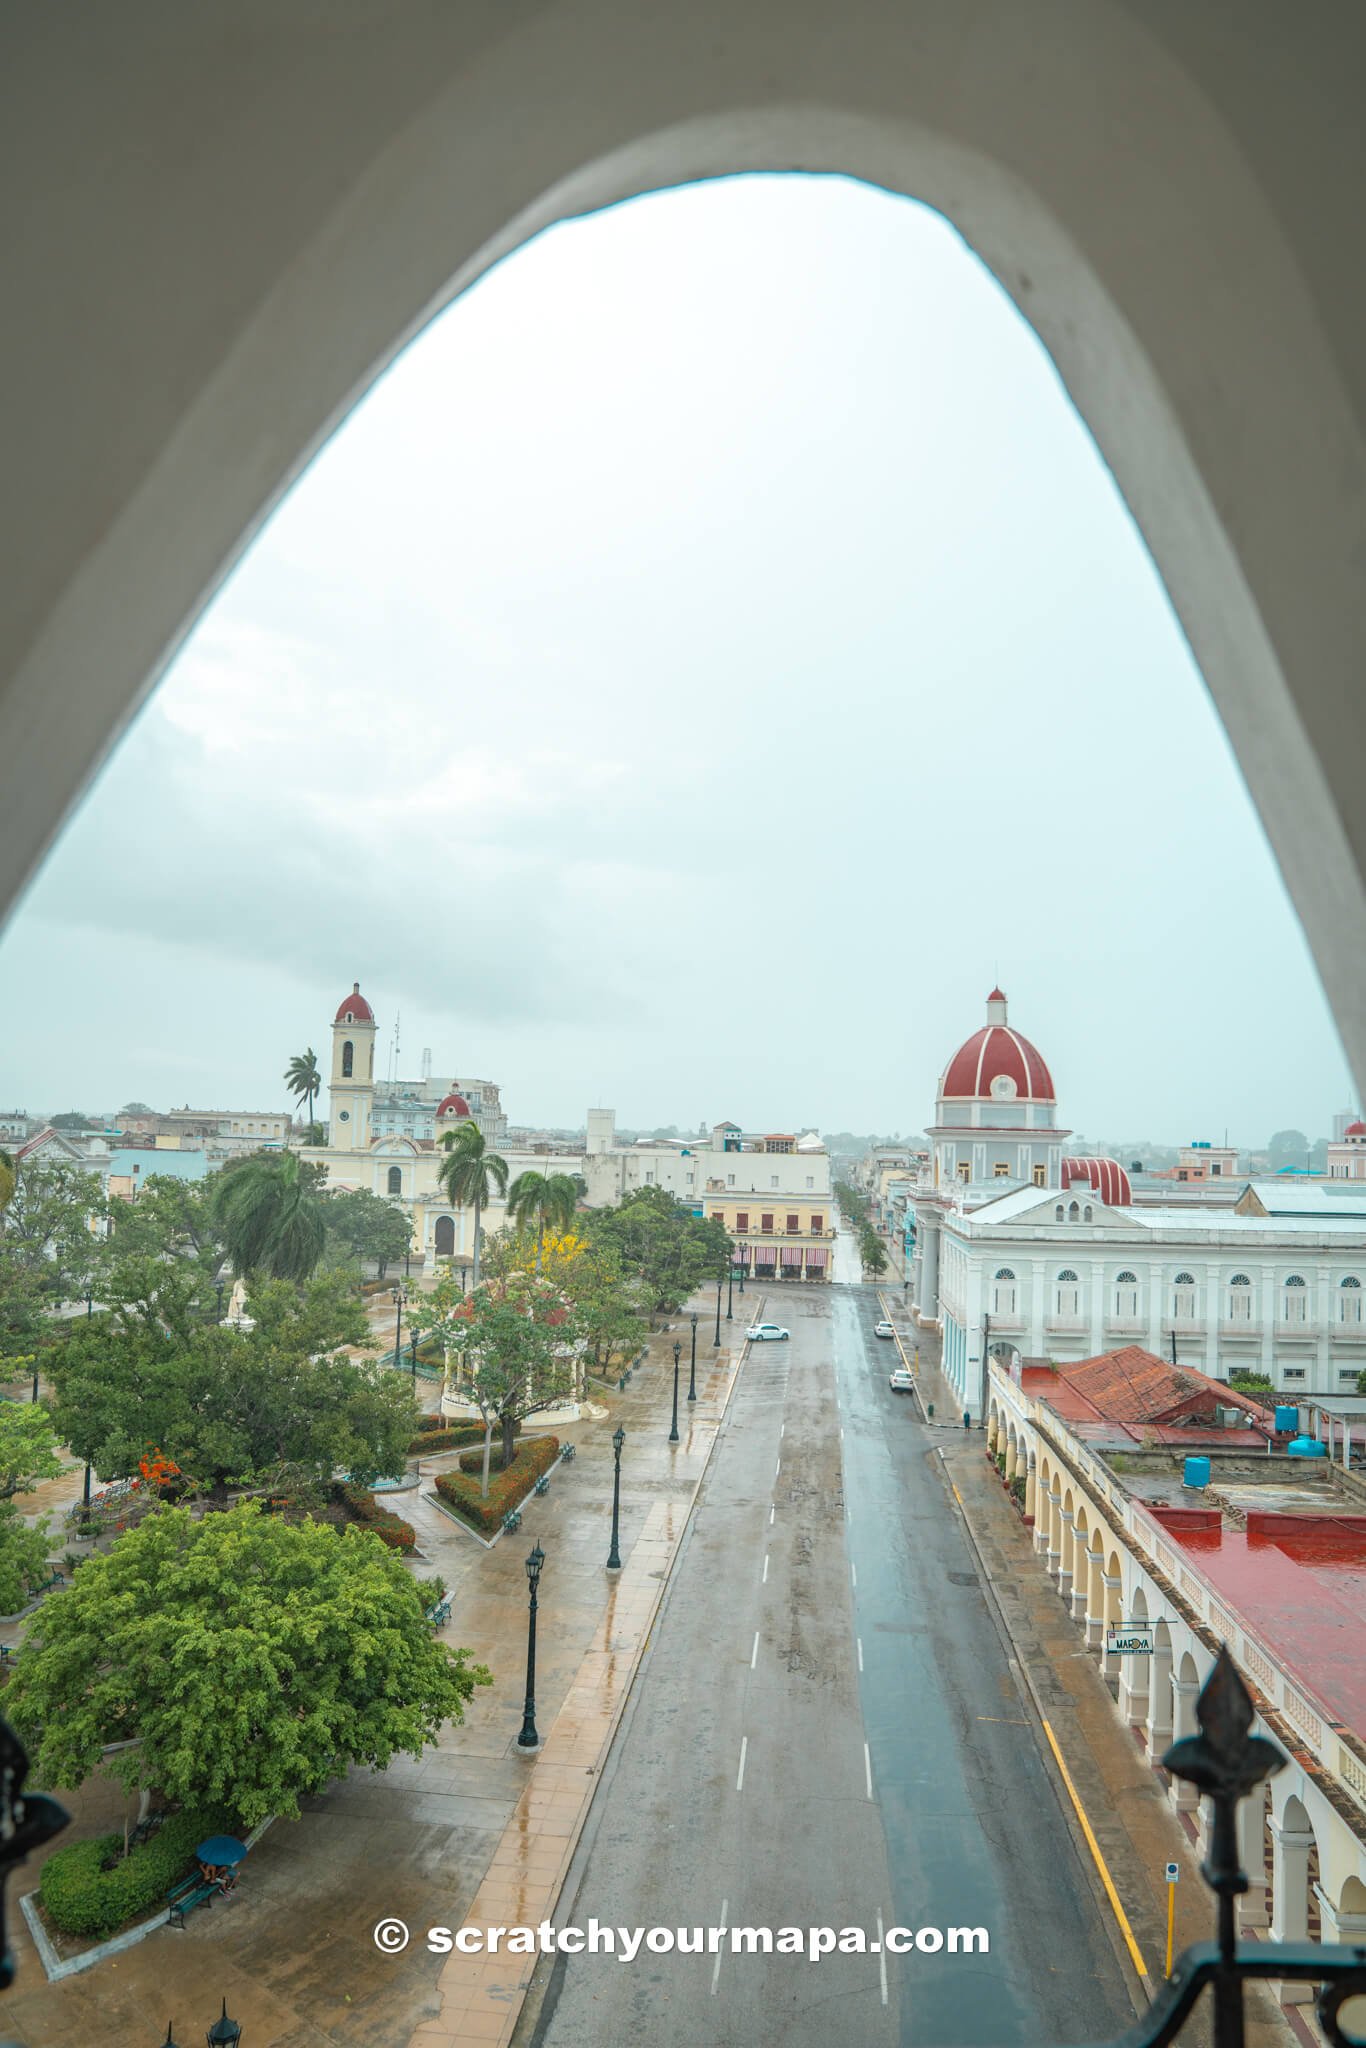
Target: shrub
x=389, y=1527
x=91, y=1888
x=430, y=1441
x=460, y=1490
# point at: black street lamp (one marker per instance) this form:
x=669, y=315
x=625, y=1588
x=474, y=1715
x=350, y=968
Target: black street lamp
x=399, y=1298
x=678, y=1353
x=717, y=1338
x=86, y=1502
x=614, y=1554
x=35, y=1379
x=89, y=1303
x=412, y=1352
x=218, y=1290
x=692, y=1368
x=224, y=2033
x=529, y=1739
x=730, y=1291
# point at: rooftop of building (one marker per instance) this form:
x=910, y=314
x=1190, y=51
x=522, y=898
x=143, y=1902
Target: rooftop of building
x=1280, y=1540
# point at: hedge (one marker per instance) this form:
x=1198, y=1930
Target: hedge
x=91, y=1888
x=448, y=1439
x=460, y=1490
x=389, y=1527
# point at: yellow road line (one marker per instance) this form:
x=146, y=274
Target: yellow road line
x=956, y=1494
x=1094, y=1846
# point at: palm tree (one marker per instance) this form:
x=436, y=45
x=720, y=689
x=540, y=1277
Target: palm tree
x=470, y=1173
x=548, y=1198
x=271, y=1218
x=302, y=1078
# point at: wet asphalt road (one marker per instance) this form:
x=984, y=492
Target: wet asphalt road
x=762, y=1779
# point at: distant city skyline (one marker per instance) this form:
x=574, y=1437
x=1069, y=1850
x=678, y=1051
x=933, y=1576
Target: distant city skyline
x=715, y=650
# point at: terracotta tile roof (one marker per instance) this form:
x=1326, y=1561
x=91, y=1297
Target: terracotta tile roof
x=1133, y=1385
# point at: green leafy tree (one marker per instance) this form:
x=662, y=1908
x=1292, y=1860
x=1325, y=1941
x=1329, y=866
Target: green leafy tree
x=1288, y=1148
x=515, y=1341
x=659, y=1241
x=71, y=1120
x=170, y=1219
x=48, y=1247
x=543, y=1199
x=230, y=1406
x=271, y=1217
x=245, y=1660
x=28, y=1448
x=470, y=1174
x=303, y=1079
x=361, y=1225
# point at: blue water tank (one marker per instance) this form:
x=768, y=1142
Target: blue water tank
x=1287, y=1420
x=1306, y=1447
x=1197, y=1472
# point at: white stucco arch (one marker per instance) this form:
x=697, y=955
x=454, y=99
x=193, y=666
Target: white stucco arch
x=1167, y=203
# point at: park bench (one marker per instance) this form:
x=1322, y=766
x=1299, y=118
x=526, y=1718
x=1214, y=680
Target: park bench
x=54, y=1578
x=441, y=1613
x=185, y=1896
x=566, y=1452
x=542, y=1484
x=512, y=1519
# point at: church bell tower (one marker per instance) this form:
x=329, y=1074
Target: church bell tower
x=352, y=1085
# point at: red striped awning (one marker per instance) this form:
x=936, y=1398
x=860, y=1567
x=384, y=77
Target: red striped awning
x=815, y=1254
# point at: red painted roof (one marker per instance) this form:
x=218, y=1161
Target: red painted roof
x=354, y=1009
x=998, y=995
x=994, y=1050
x=1106, y=1177
x=1299, y=1581
x=1357, y=1130
x=452, y=1105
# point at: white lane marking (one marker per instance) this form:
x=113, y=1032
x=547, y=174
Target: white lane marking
x=841, y=1432
x=744, y=1750
x=764, y=1580
x=777, y=1468
x=773, y=1509
x=754, y=1653
x=853, y=1572
x=716, y=1970
x=782, y=1429
x=882, y=1959
x=868, y=1769
x=859, y=1641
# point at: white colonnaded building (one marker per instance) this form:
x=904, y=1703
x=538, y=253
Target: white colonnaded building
x=1031, y=1253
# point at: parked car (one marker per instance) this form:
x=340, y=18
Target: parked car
x=766, y=1333
x=900, y=1381
x=883, y=1330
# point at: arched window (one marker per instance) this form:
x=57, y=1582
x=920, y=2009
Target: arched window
x=1183, y=1298
x=1003, y=1293
x=1067, y=1293
x=1057, y=1213
x=396, y=1180
x=1086, y=1213
x=1349, y=1300
x=1074, y=1212
x=348, y=1059
x=445, y=1236
x=1126, y=1297
x=1240, y=1299
x=1294, y=1299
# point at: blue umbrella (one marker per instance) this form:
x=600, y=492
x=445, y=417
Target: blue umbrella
x=221, y=1849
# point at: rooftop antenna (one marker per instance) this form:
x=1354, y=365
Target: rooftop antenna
x=393, y=1054
x=426, y=1063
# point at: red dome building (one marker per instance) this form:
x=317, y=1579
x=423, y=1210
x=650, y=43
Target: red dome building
x=996, y=1111
x=451, y=1107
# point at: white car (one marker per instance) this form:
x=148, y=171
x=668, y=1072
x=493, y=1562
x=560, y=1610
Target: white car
x=766, y=1333
x=883, y=1330
x=900, y=1381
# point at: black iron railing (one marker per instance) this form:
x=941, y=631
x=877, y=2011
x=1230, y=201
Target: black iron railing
x=1227, y=1762
x=27, y=1820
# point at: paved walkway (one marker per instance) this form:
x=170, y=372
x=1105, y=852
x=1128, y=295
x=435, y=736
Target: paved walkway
x=469, y=1827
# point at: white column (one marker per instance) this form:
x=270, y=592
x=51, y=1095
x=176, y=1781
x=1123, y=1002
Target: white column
x=1063, y=1573
x=1348, y=1928
x=1290, y=1895
x=1185, y=1691
x=1111, y=1666
x=1269, y=1298
x=1081, y=1574
x=1134, y=1675
x=1159, y=1729
x=1095, y=1277
x=1252, y=1853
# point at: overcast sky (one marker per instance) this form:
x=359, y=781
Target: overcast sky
x=711, y=657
